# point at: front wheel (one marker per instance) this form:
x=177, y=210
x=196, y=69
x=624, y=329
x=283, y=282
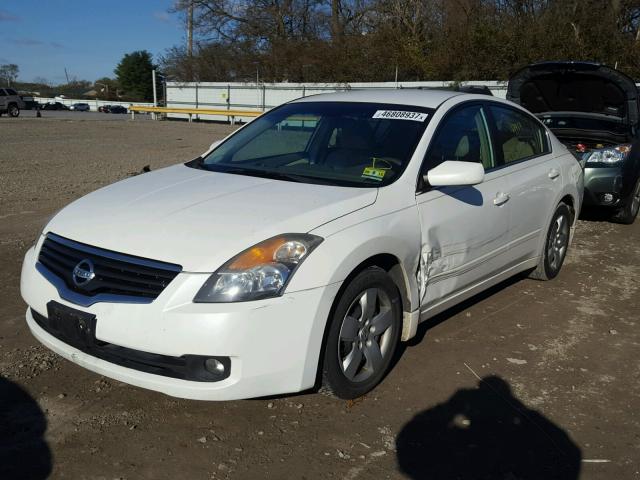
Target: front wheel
x=555, y=246
x=363, y=335
x=629, y=212
x=13, y=110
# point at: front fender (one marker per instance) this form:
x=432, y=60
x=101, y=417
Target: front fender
x=351, y=240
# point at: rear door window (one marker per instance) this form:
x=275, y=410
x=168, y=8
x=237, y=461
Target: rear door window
x=518, y=136
x=11, y=92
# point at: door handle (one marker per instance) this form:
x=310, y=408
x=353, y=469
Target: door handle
x=501, y=199
x=553, y=174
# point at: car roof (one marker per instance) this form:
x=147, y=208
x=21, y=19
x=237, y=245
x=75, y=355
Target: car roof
x=405, y=96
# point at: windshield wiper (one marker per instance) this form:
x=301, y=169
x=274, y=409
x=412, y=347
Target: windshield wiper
x=261, y=173
x=197, y=162
x=275, y=175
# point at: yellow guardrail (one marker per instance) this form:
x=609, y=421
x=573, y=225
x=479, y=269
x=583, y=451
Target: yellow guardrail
x=230, y=114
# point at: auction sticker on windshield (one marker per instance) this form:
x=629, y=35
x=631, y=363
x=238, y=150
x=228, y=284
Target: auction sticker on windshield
x=401, y=115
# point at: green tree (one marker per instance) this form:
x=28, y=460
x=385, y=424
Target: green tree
x=8, y=74
x=134, y=75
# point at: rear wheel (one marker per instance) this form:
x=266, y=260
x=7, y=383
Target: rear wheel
x=555, y=246
x=13, y=110
x=629, y=212
x=363, y=335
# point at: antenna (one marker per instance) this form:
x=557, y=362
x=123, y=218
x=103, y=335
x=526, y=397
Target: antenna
x=66, y=74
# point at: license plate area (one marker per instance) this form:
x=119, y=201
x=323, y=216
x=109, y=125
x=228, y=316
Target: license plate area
x=75, y=327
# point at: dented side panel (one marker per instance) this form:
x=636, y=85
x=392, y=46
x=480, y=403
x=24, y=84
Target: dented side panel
x=464, y=237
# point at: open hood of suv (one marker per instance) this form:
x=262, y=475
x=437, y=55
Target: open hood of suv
x=589, y=88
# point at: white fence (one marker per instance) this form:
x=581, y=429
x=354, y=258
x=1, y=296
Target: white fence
x=263, y=96
x=93, y=104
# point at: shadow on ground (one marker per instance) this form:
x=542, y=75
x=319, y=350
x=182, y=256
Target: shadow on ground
x=24, y=453
x=425, y=326
x=596, y=214
x=486, y=433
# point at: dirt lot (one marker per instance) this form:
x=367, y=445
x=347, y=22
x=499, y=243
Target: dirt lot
x=529, y=381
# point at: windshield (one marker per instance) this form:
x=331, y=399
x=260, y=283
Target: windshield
x=336, y=143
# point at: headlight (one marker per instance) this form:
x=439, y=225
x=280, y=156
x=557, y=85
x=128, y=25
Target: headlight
x=261, y=271
x=608, y=155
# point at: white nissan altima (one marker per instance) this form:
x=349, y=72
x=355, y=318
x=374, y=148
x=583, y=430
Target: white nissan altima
x=300, y=251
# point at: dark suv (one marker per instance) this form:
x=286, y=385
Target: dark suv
x=595, y=111
x=10, y=102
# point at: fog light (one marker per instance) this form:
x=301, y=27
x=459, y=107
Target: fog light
x=214, y=366
x=607, y=197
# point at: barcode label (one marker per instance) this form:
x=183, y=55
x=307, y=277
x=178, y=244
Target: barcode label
x=401, y=115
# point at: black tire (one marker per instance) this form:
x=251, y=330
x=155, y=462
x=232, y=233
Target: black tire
x=13, y=110
x=376, y=348
x=628, y=213
x=556, y=244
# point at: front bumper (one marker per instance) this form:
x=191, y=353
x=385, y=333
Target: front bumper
x=273, y=345
x=603, y=186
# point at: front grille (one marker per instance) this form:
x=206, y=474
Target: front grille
x=115, y=273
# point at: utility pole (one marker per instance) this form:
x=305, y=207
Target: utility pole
x=66, y=74
x=258, y=84
x=155, y=93
x=336, y=27
x=190, y=28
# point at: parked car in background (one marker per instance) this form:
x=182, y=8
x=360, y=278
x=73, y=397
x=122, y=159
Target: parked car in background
x=80, y=107
x=304, y=246
x=30, y=103
x=54, y=106
x=10, y=102
x=594, y=110
x=104, y=108
x=117, y=109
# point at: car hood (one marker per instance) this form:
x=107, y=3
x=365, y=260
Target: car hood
x=575, y=87
x=200, y=219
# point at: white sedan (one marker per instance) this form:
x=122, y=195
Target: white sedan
x=298, y=252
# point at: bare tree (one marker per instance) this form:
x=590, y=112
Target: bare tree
x=9, y=73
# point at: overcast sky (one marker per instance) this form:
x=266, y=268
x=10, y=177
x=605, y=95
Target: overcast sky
x=88, y=37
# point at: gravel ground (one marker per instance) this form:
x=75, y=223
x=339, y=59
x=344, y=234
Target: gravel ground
x=532, y=380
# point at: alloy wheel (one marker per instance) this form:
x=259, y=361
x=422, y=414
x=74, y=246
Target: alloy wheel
x=557, y=242
x=366, y=333
x=635, y=200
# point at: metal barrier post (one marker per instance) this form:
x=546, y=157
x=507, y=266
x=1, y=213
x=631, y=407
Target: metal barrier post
x=197, y=117
x=155, y=94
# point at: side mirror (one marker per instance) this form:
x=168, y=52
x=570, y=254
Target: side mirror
x=215, y=144
x=455, y=173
